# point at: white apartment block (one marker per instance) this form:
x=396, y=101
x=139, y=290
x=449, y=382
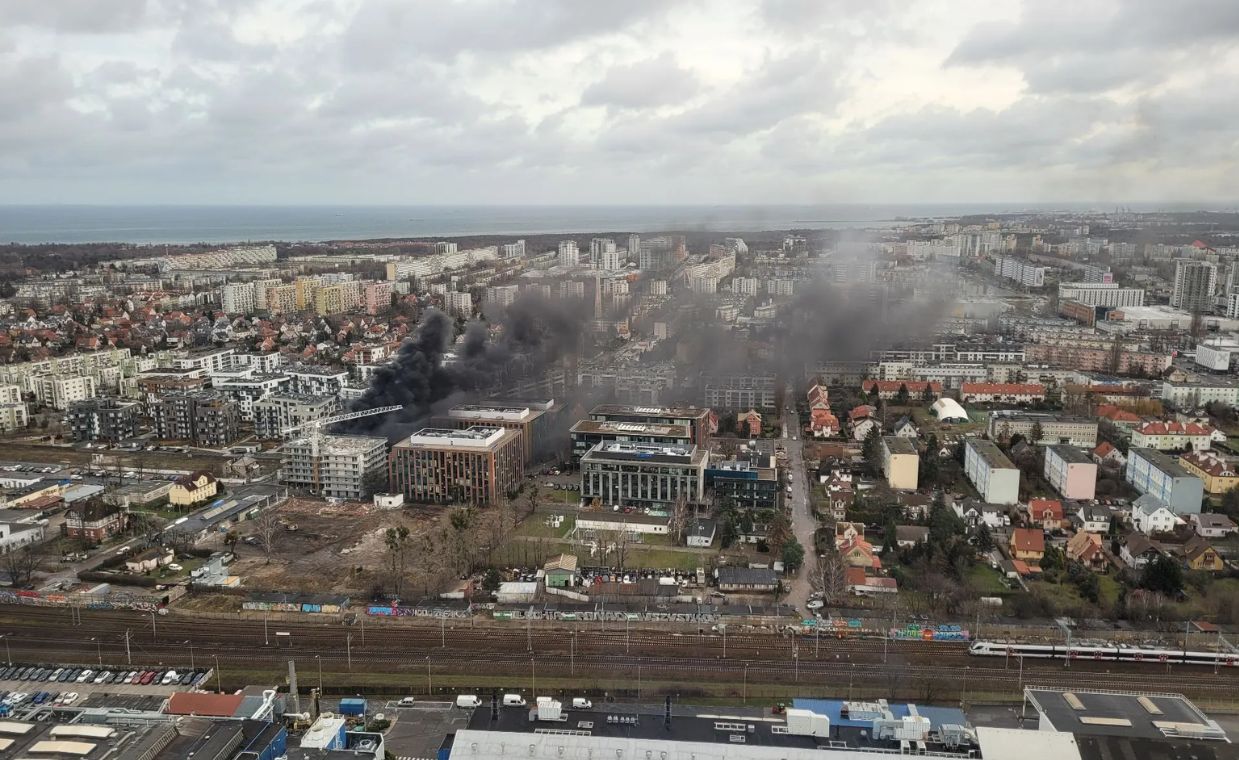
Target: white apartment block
x=1194, y=285
x=942, y=248
x=458, y=304
x=1028, y=275
x=10, y=394
x=781, y=286
x=1100, y=294
x=1232, y=306
x=745, y=286
x=1191, y=395
x=260, y=291
x=445, y=246
x=238, y=298
x=569, y=255
x=989, y=470
x=445, y=261
x=60, y=392
x=13, y=416
x=513, y=250
x=502, y=295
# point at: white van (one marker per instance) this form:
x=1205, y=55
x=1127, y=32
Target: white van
x=468, y=700
x=581, y=703
x=411, y=701
x=513, y=700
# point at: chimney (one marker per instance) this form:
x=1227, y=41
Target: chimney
x=667, y=714
x=292, y=686
x=494, y=706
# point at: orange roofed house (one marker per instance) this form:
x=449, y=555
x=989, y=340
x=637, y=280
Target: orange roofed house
x=1048, y=513
x=1027, y=544
x=889, y=389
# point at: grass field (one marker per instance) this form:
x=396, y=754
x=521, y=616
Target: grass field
x=537, y=527
x=986, y=581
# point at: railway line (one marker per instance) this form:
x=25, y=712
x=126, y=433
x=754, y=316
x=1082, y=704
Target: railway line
x=409, y=654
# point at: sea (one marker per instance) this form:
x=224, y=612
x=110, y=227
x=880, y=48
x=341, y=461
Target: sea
x=158, y=224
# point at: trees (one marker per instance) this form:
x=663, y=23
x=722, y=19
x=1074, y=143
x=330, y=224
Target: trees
x=829, y=576
x=985, y=539
x=903, y=398
x=779, y=531
x=396, y=541
x=1036, y=433
x=266, y=525
x=20, y=565
x=927, y=395
x=460, y=520
x=1163, y=575
x=871, y=450
x=793, y=556
x=1053, y=563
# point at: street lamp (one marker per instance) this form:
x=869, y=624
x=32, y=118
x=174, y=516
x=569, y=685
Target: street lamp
x=190, y=643
x=320, y=673
x=98, y=650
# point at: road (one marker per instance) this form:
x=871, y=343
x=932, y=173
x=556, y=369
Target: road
x=804, y=524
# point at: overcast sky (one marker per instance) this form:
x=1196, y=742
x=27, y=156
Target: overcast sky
x=618, y=101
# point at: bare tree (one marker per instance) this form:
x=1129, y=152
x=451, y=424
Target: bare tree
x=829, y=577
x=20, y=565
x=267, y=526
x=178, y=539
x=396, y=540
x=679, y=519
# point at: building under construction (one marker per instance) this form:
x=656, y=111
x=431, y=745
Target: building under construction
x=349, y=467
x=474, y=466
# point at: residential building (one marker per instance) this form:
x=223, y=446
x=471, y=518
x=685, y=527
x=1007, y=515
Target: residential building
x=1070, y=472
x=250, y=388
x=1025, y=274
x=749, y=482
x=60, y=392
x=277, y=414
x=1089, y=550
x=900, y=462
x=643, y=475
x=1091, y=518
x=747, y=579
x=205, y=419
x=603, y=254
x=103, y=419
x=237, y=298
x=1172, y=435
x=339, y=298
x=888, y=390
x=975, y=514
x=1195, y=282
x=458, y=304
x=316, y=381
x=94, y=521
x=1150, y=515
x=586, y=434
x=749, y=423
x=1197, y=393
x=193, y=488
x=568, y=254
x=991, y=473
x=1138, y=550
x=15, y=535
x=13, y=417
x=738, y=391
x=1010, y=393
x=1055, y=428
x=474, y=466
x=376, y=296
x=1212, y=525
x=351, y=467
x=1048, y=514
x=1199, y=555
x=1087, y=358
x=10, y=394
x=1100, y=294
x=1218, y=473
x=281, y=299
x=907, y=536
x=1027, y=545
x=1155, y=474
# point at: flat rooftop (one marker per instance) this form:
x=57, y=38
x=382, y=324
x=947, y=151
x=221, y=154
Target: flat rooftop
x=476, y=437
x=1017, y=416
x=492, y=412
x=1070, y=454
x=685, y=412
x=1162, y=461
x=614, y=427
x=990, y=453
x=1148, y=715
x=645, y=452
x=898, y=445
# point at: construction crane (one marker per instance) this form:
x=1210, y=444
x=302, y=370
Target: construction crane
x=315, y=430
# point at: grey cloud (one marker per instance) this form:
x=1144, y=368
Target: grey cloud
x=649, y=83
x=75, y=16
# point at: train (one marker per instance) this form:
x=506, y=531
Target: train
x=1105, y=652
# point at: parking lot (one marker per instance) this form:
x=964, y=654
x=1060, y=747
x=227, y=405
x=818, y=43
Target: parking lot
x=25, y=687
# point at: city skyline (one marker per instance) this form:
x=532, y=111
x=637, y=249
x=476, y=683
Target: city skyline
x=548, y=103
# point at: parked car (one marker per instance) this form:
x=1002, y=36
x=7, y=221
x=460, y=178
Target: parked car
x=85, y=675
x=69, y=698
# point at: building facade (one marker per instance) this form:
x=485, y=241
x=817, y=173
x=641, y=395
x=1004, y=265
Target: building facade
x=900, y=462
x=279, y=412
x=1156, y=474
x=103, y=419
x=351, y=467
x=474, y=466
x=991, y=473
x=615, y=474
x=1070, y=472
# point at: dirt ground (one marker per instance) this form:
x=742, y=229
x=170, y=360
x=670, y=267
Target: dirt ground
x=335, y=548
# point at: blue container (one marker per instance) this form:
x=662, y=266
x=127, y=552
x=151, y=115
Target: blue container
x=352, y=706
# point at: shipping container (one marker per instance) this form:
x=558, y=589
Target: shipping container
x=352, y=706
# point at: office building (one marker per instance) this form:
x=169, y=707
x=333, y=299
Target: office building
x=615, y=474
x=1070, y=472
x=990, y=472
x=103, y=419
x=474, y=466
x=277, y=414
x=697, y=419
x=352, y=467
x=534, y=420
x=1055, y=428
x=1159, y=475
x=1194, y=285
x=588, y=433
x=900, y=462
x=749, y=482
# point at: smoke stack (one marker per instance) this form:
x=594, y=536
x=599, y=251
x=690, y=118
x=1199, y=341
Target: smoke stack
x=667, y=713
x=494, y=706
x=292, y=686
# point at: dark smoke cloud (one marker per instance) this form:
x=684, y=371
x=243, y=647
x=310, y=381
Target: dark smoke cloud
x=533, y=334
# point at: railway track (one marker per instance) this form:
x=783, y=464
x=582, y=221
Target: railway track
x=410, y=652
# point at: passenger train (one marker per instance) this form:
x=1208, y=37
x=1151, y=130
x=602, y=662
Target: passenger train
x=1107, y=652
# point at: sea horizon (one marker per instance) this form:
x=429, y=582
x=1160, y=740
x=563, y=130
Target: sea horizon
x=178, y=224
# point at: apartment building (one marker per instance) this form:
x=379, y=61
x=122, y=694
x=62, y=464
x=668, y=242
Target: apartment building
x=1055, y=428
x=61, y=392
x=900, y=462
x=474, y=466
x=261, y=287
x=1100, y=294
x=316, y=381
x=281, y=299
x=1090, y=359
x=1009, y=393
x=352, y=467
x=1172, y=435
x=279, y=412
x=340, y=298
x=1070, y=472
x=990, y=472
x=206, y=419
x=1195, y=282
x=376, y=296
x=739, y=392
x=238, y=298
x=1218, y=473
x=643, y=475
x=1019, y=271
x=103, y=419
x=13, y=417
x=1195, y=394
x=1156, y=474
x=568, y=255
x=888, y=390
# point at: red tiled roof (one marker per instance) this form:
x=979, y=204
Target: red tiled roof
x=1104, y=449
x=1006, y=389
x=1210, y=463
x=1039, y=507
x=215, y=705
x=1116, y=413
x=892, y=386
x=1174, y=428
x=1028, y=540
